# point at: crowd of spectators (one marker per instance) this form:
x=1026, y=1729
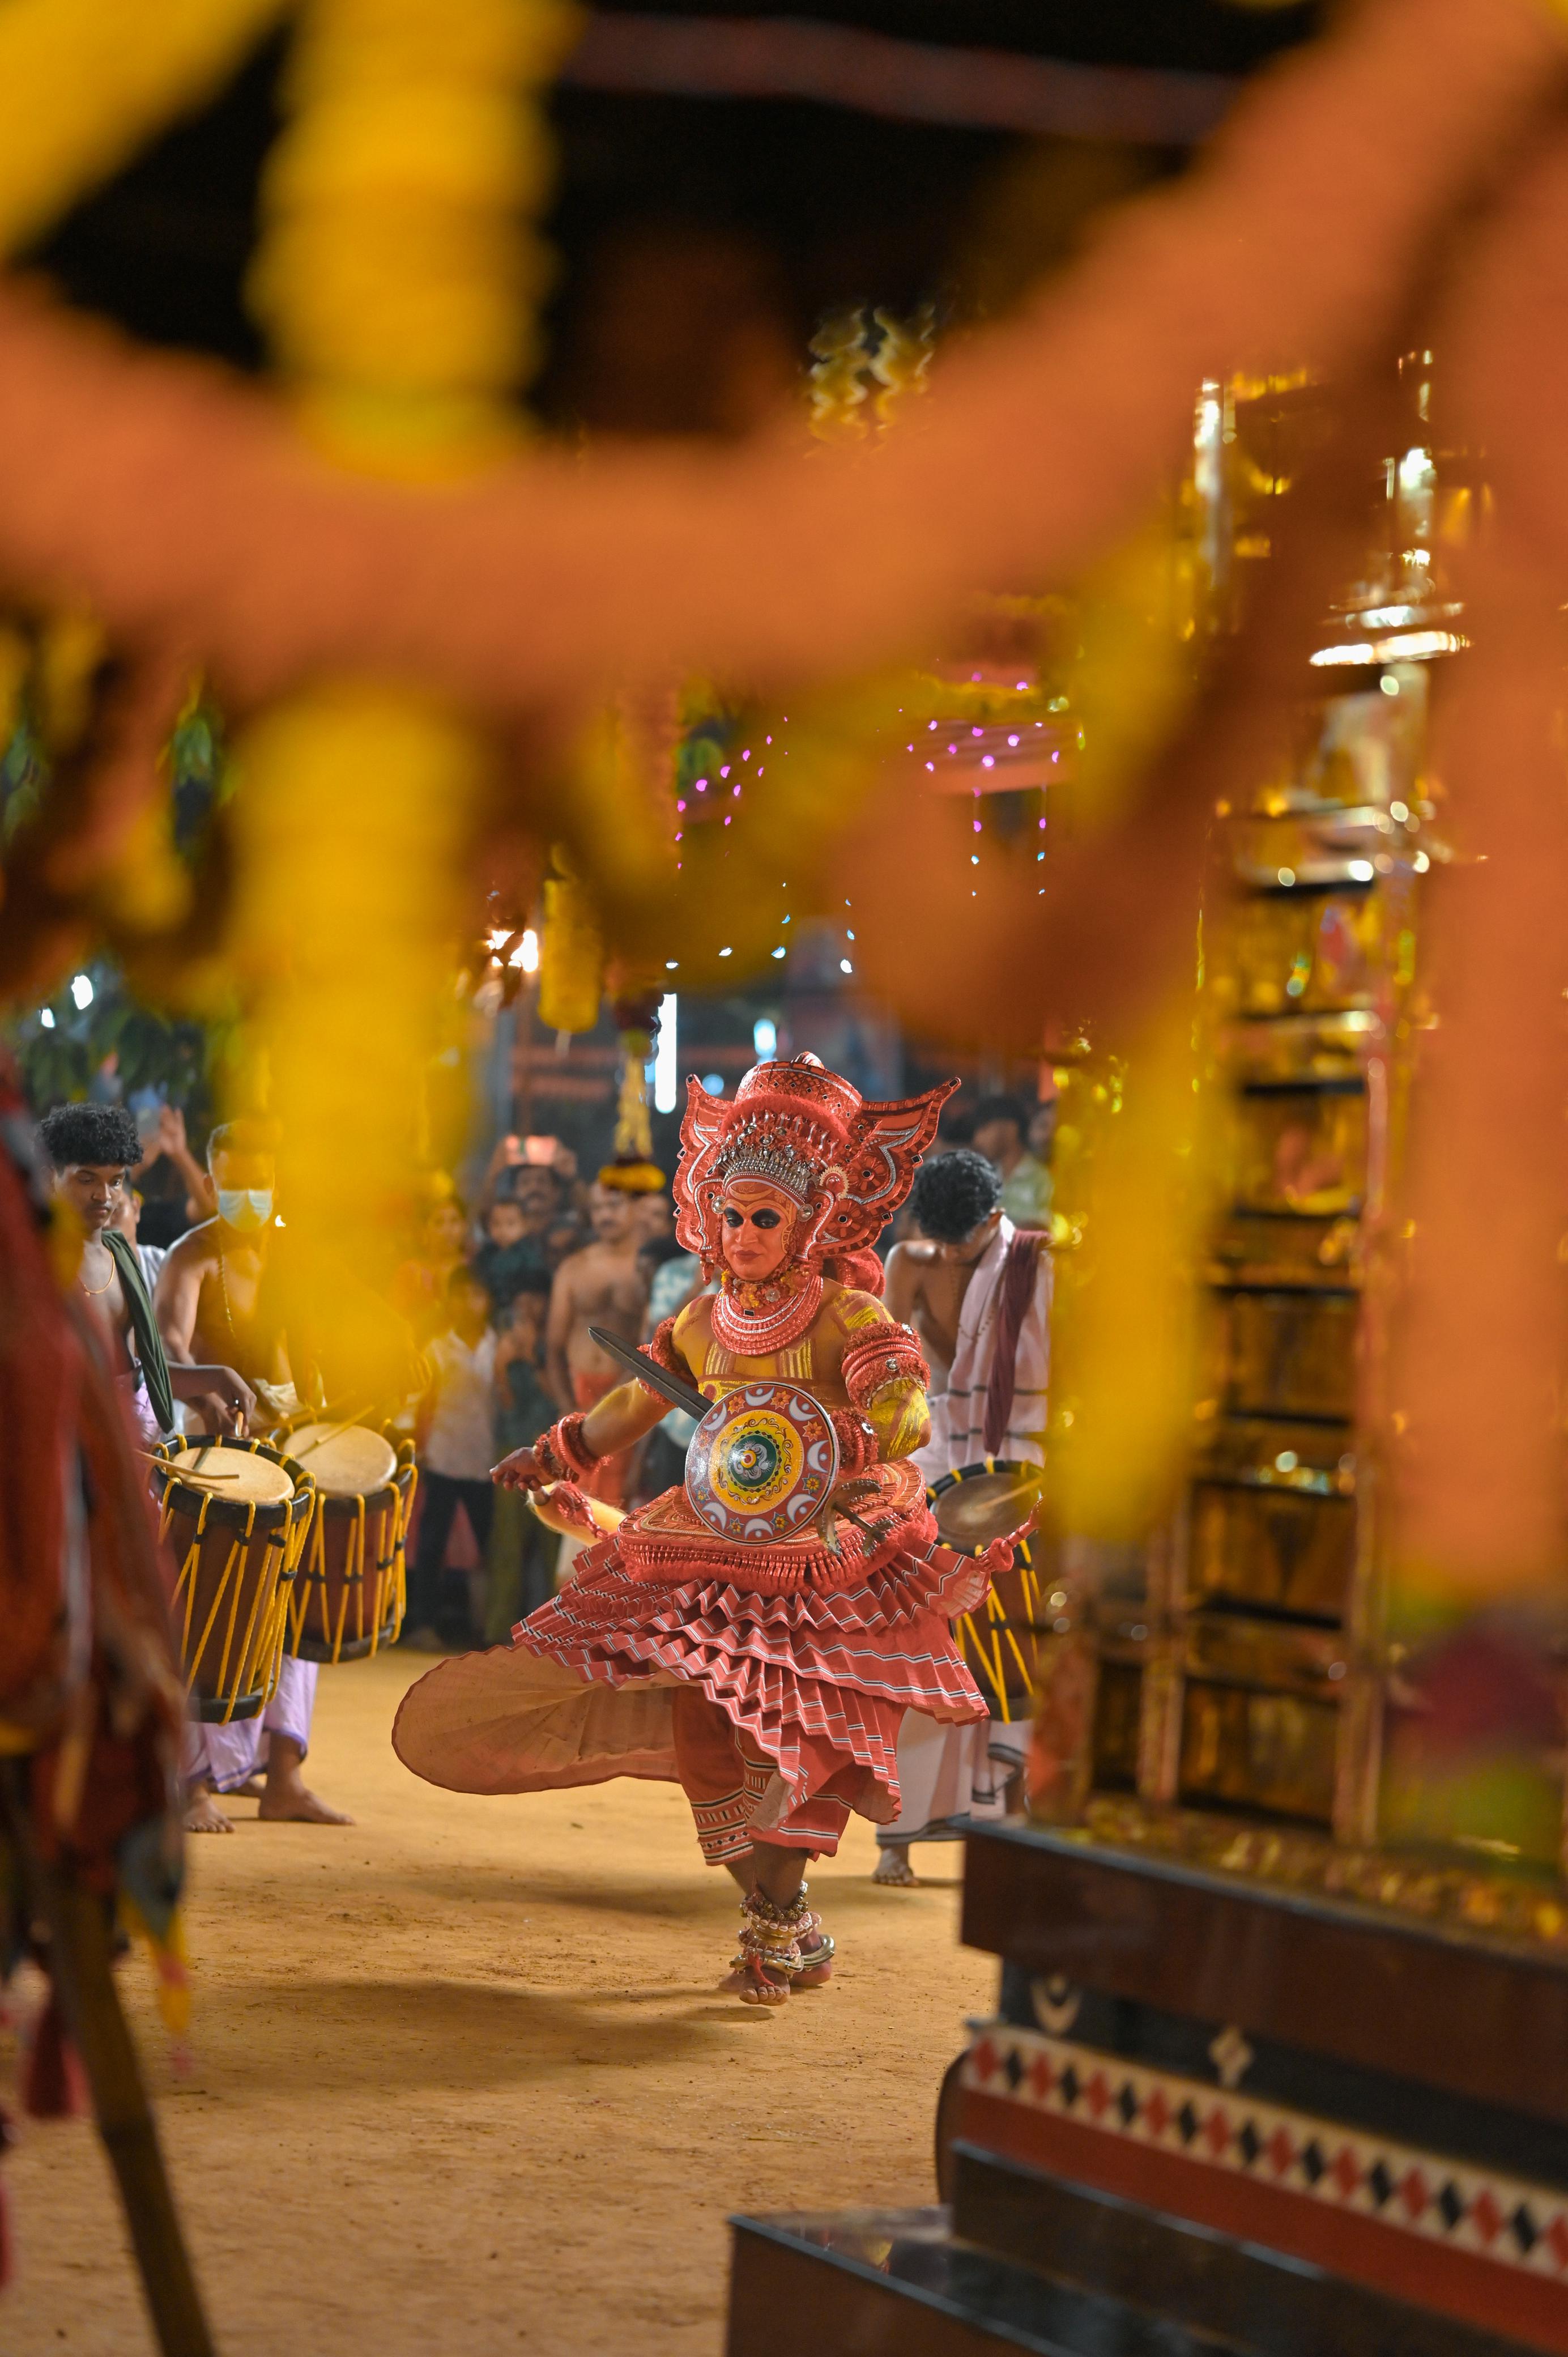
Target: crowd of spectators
x=499, y=1294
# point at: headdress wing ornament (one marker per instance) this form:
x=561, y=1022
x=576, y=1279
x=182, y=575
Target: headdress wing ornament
x=696, y=1184
x=850, y=1163
x=886, y=1142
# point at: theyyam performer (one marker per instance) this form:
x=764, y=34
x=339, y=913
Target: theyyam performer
x=758, y=1633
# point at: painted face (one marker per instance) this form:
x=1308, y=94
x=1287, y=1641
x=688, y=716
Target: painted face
x=759, y=1225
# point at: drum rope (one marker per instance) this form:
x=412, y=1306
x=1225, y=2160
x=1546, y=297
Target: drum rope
x=188, y=1572
x=195, y=1659
x=241, y=1546
x=275, y=1642
x=966, y=1623
x=387, y=1528
x=335, y=1636
x=254, y=1649
x=399, y=1549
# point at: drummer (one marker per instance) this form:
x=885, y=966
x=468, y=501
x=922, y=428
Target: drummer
x=978, y=1290
x=213, y=1287
x=214, y=1297
x=92, y=1149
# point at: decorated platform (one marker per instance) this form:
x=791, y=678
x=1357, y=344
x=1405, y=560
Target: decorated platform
x=1271, y=2106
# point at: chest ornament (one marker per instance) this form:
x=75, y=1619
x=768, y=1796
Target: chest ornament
x=755, y=1319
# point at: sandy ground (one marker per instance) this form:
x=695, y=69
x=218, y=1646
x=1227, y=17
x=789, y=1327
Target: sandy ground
x=462, y=2079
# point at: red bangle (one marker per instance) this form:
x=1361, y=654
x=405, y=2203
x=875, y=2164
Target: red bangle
x=562, y=1452
x=857, y=1442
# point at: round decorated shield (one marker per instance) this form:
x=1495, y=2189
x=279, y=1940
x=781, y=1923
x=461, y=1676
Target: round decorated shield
x=762, y=1464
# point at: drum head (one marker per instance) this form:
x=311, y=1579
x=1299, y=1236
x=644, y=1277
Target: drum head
x=343, y=1462
x=762, y=1463
x=230, y=1473
x=981, y=1503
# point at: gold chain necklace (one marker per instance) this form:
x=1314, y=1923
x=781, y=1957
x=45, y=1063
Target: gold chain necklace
x=92, y=1291
x=223, y=1283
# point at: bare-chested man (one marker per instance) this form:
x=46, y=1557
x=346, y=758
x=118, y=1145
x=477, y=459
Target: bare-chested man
x=600, y=1285
x=93, y=1148
x=926, y=1279
x=954, y=1285
x=213, y=1288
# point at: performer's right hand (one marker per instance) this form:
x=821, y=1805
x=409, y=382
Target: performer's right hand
x=520, y=1470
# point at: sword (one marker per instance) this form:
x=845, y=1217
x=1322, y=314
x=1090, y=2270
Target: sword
x=686, y=1395
x=648, y=1371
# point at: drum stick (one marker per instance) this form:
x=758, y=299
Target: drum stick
x=332, y=1432
x=173, y=1465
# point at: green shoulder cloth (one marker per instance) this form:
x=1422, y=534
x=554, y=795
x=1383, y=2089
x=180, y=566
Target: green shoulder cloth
x=144, y=1326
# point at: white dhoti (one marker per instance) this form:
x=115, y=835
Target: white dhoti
x=951, y=1778
x=224, y=1757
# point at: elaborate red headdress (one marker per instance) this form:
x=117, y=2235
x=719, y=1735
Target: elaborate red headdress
x=848, y=1162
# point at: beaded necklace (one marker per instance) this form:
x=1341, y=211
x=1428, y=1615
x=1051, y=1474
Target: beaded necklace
x=754, y=1320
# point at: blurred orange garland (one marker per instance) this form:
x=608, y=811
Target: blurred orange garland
x=199, y=523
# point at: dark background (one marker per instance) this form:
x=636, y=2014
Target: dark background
x=698, y=240
x=698, y=243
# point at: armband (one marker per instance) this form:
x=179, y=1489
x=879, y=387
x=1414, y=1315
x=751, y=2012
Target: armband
x=887, y=1355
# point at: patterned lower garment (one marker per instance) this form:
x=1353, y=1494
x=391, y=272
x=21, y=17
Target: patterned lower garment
x=726, y=1780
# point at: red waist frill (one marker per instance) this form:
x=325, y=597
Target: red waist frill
x=814, y=1654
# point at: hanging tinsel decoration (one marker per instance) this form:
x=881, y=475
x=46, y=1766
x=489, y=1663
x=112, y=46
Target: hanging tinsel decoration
x=633, y=1168
x=571, y=950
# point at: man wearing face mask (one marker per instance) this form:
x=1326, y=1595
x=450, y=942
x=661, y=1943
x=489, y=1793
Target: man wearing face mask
x=213, y=1290
x=769, y=1677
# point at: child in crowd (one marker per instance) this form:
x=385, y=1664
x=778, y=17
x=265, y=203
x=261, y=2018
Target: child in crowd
x=521, y=1557
x=513, y=1253
x=455, y=1435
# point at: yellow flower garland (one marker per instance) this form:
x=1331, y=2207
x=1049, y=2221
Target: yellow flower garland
x=83, y=83
x=392, y=279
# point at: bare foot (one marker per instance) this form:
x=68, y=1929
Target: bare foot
x=894, y=1871
x=292, y=1802
x=203, y=1816
x=755, y=1984
x=251, y=1790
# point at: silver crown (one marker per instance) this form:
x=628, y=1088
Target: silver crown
x=751, y=1153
